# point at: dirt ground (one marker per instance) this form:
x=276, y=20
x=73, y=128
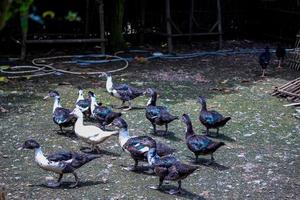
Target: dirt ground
x=260, y=159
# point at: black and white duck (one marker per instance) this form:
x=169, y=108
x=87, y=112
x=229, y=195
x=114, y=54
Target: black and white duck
x=264, y=60
x=199, y=144
x=124, y=92
x=211, y=119
x=90, y=134
x=60, y=162
x=103, y=114
x=83, y=104
x=61, y=116
x=169, y=168
x=138, y=146
x=157, y=115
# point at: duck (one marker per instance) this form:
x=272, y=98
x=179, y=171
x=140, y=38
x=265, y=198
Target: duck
x=169, y=168
x=211, y=119
x=199, y=144
x=82, y=103
x=90, y=134
x=61, y=116
x=264, y=60
x=61, y=163
x=138, y=146
x=124, y=92
x=157, y=115
x=280, y=53
x=103, y=114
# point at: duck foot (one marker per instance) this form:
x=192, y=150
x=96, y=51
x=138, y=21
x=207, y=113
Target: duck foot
x=127, y=109
x=174, y=191
x=53, y=184
x=130, y=168
x=154, y=187
x=73, y=185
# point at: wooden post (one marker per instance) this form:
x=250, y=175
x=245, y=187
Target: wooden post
x=142, y=29
x=191, y=19
x=220, y=24
x=87, y=7
x=169, y=27
x=102, y=31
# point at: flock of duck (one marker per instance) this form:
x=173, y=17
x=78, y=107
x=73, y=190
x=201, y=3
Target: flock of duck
x=159, y=156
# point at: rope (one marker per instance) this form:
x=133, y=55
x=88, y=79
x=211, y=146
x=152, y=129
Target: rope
x=39, y=66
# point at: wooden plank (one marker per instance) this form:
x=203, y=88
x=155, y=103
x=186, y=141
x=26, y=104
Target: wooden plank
x=65, y=41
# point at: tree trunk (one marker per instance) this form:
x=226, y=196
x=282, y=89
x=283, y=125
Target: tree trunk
x=117, y=41
x=4, y=8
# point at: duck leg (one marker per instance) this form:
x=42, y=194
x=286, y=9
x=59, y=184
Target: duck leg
x=212, y=160
x=154, y=128
x=263, y=73
x=207, y=131
x=129, y=106
x=279, y=63
x=217, y=131
x=157, y=187
x=178, y=190
x=55, y=184
x=122, y=105
x=76, y=180
x=196, y=160
x=134, y=167
x=166, y=128
x=61, y=130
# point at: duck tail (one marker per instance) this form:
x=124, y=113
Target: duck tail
x=217, y=145
x=226, y=119
x=91, y=157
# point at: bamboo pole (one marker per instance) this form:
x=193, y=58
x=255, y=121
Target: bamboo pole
x=220, y=24
x=102, y=30
x=169, y=27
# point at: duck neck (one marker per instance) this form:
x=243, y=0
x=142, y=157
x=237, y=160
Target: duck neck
x=204, y=108
x=79, y=122
x=80, y=96
x=109, y=84
x=56, y=103
x=93, y=104
x=189, y=129
x=39, y=156
x=123, y=136
x=152, y=100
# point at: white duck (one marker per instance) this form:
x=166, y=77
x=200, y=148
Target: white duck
x=90, y=134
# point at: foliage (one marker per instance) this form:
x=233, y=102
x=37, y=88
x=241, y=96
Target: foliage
x=10, y=8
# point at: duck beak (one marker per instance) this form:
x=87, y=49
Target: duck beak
x=46, y=97
x=102, y=74
x=21, y=147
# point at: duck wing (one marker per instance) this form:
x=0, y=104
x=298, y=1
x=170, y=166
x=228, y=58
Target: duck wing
x=84, y=104
x=211, y=117
x=166, y=116
x=102, y=111
x=60, y=156
x=180, y=170
x=121, y=87
x=165, y=161
x=264, y=58
x=156, y=111
x=61, y=115
x=199, y=143
x=137, y=146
